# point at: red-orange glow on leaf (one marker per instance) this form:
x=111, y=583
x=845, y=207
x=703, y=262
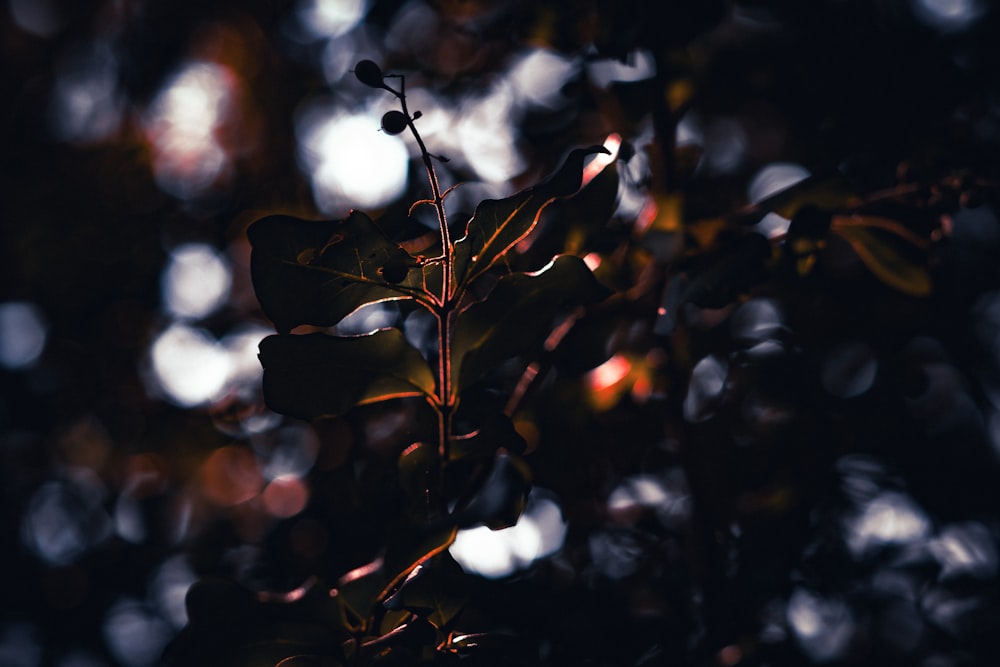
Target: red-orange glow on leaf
x=287, y=597
x=608, y=382
x=358, y=572
x=592, y=260
x=642, y=389
x=609, y=373
x=285, y=496
x=230, y=476
x=602, y=160
x=644, y=219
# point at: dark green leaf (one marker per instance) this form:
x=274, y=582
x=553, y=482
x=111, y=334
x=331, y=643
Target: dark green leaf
x=495, y=431
x=316, y=375
x=502, y=498
x=318, y=272
x=409, y=546
x=309, y=661
x=418, y=466
x=438, y=592
x=716, y=279
x=518, y=315
x=498, y=225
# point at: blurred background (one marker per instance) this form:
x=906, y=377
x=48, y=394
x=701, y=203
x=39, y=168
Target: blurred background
x=854, y=515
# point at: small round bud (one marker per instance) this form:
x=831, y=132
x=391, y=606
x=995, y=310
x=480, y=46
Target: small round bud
x=369, y=73
x=394, y=122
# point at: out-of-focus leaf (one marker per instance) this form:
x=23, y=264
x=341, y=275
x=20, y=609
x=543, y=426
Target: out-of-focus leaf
x=501, y=499
x=408, y=547
x=716, y=278
x=891, y=256
x=509, y=649
x=497, y=225
x=316, y=375
x=495, y=431
x=418, y=466
x=828, y=192
x=517, y=315
x=582, y=216
x=318, y=272
x=230, y=625
x=439, y=592
x=309, y=661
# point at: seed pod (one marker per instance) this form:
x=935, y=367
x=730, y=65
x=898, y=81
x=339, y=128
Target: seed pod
x=369, y=73
x=395, y=270
x=394, y=122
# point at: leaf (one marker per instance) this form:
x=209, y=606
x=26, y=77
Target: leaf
x=518, y=315
x=497, y=225
x=417, y=466
x=438, y=593
x=829, y=192
x=715, y=279
x=885, y=255
x=309, y=661
x=508, y=649
x=408, y=547
x=318, y=272
x=495, y=430
x=502, y=497
x=316, y=375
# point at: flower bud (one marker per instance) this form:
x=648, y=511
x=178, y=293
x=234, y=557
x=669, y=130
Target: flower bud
x=369, y=73
x=394, y=122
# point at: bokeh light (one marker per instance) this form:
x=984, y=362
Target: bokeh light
x=666, y=495
x=350, y=161
x=966, y=549
x=768, y=181
x=23, y=332
x=230, y=476
x=134, y=633
x=725, y=145
x=890, y=519
x=285, y=496
x=196, y=281
x=169, y=588
x=637, y=66
x=950, y=15
x=42, y=18
x=538, y=533
x=538, y=77
x=189, y=367
x=708, y=379
x=289, y=451
x=824, y=627
x=65, y=518
x=322, y=19
x=486, y=135
x=182, y=124
x=86, y=105
x=756, y=321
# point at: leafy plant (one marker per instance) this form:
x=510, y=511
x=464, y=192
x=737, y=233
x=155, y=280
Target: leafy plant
x=403, y=605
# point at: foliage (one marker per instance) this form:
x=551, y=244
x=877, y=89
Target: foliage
x=766, y=412
x=402, y=606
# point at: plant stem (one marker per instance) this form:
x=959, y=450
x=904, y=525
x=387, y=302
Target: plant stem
x=445, y=310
